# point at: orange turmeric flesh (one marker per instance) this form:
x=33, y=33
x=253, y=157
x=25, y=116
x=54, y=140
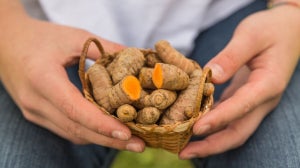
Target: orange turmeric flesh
x=132, y=87
x=157, y=76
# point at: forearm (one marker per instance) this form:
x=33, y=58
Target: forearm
x=12, y=19
x=10, y=9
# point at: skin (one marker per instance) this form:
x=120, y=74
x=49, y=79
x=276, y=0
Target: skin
x=33, y=57
x=264, y=50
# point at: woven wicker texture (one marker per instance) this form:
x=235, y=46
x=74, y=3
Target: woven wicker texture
x=172, y=137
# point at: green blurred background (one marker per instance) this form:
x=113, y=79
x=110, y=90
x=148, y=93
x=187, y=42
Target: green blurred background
x=150, y=158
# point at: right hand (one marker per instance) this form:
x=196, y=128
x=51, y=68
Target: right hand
x=33, y=57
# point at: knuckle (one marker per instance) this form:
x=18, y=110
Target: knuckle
x=69, y=110
x=240, y=139
x=246, y=107
x=25, y=102
x=74, y=130
x=29, y=116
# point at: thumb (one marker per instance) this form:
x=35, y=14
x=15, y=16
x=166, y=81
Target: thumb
x=107, y=45
x=80, y=36
x=245, y=44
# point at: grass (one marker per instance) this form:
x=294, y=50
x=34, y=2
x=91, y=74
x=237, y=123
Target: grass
x=151, y=158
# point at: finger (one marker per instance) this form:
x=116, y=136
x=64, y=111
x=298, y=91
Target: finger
x=81, y=36
x=58, y=123
x=34, y=117
x=238, y=80
x=234, y=135
x=245, y=44
x=255, y=92
x=77, y=131
x=68, y=99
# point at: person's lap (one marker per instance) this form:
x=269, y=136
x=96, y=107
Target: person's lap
x=24, y=144
x=274, y=144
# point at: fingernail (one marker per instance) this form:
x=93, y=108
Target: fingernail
x=217, y=70
x=188, y=156
x=134, y=147
x=120, y=135
x=202, y=129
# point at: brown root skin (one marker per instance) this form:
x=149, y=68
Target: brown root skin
x=209, y=89
x=167, y=76
x=170, y=55
x=140, y=103
x=161, y=98
x=106, y=59
x=126, y=113
x=127, y=62
x=125, y=92
x=152, y=59
x=101, y=83
x=145, y=78
x=148, y=115
x=185, y=105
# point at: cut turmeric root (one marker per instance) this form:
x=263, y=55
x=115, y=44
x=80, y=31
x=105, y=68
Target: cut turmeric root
x=125, y=92
x=185, y=105
x=163, y=74
x=127, y=62
x=167, y=76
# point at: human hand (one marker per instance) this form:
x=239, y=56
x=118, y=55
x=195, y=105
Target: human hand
x=33, y=57
x=264, y=51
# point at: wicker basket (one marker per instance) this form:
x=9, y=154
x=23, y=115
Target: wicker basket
x=169, y=137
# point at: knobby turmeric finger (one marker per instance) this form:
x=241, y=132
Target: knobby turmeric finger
x=209, y=89
x=170, y=55
x=145, y=78
x=125, y=92
x=127, y=62
x=126, y=113
x=148, y=115
x=185, y=105
x=167, y=76
x=101, y=84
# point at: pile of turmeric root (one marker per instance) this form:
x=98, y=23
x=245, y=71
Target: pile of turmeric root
x=148, y=86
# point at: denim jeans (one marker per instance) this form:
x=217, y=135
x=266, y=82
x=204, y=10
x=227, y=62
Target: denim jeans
x=276, y=143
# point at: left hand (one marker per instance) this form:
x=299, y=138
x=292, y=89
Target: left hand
x=261, y=57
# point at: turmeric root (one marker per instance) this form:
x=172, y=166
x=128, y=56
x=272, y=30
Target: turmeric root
x=140, y=103
x=101, y=83
x=167, y=76
x=185, y=105
x=152, y=59
x=127, y=62
x=170, y=55
x=126, y=113
x=209, y=89
x=148, y=115
x=145, y=78
x=125, y=92
x=159, y=98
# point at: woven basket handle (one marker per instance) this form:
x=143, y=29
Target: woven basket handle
x=205, y=77
x=83, y=56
